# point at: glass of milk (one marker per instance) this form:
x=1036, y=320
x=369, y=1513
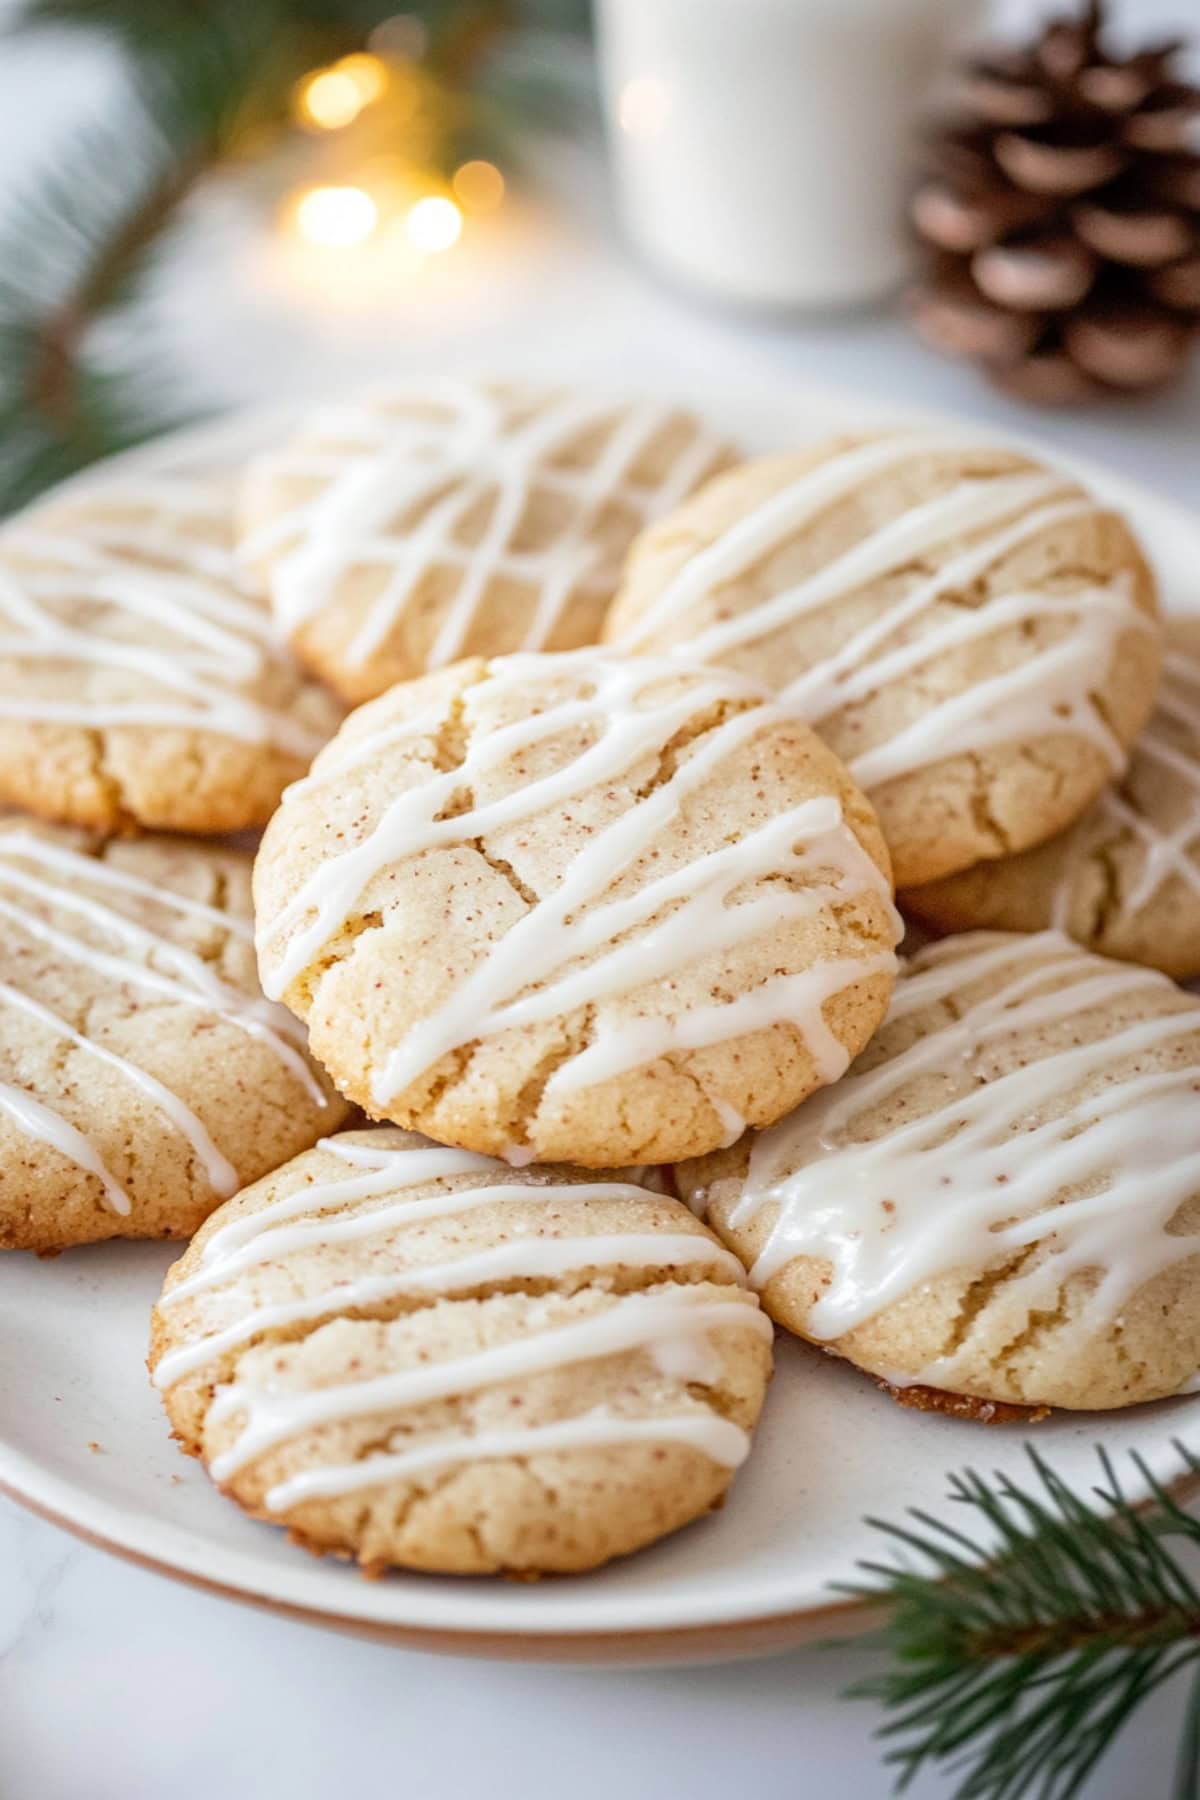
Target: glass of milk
x=762, y=149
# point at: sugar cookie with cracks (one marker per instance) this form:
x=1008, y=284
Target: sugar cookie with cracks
x=141, y=687
x=417, y=1356
x=451, y=518
x=1001, y=1201
x=143, y=1076
x=581, y=906
x=1125, y=879
x=972, y=632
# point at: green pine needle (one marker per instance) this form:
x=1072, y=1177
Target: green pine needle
x=1022, y=1643
x=80, y=376
x=78, y=247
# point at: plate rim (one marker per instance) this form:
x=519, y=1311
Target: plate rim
x=67, y=1503
x=761, y=1634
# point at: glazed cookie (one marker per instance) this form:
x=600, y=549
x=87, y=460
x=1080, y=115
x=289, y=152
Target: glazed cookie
x=450, y=518
x=579, y=906
x=1002, y=1200
x=1125, y=880
x=143, y=1077
x=972, y=633
x=417, y=1356
x=139, y=687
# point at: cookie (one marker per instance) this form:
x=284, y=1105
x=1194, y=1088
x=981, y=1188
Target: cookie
x=972, y=633
x=139, y=686
x=417, y=1356
x=1125, y=880
x=453, y=518
x=579, y=907
x=143, y=1077
x=1002, y=1199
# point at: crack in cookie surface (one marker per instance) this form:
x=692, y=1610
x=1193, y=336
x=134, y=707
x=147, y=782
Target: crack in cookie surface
x=594, y=901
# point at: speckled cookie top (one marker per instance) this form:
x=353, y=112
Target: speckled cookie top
x=972, y=632
x=1126, y=879
x=577, y=906
x=140, y=684
x=143, y=1076
x=448, y=518
x=1003, y=1197
x=388, y=1343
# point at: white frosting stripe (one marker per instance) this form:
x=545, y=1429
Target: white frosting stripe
x=376, y=1199
x=1048, y=691
x=48, y=1127
x=279, y=1239
x=220, y=638
x=103, y=874
x=56, y=878
x=229, y=1249
x=965, y=1184
x=524, y=1259
x=689, y=910
x=468, y=451
x=673, y=1326
x=719, y=1439
x=1171, y=744
x=193, y=983
x=222, y=1175
x=782, y=1000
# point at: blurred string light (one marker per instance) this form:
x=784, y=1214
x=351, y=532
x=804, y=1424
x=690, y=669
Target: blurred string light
x=395, y=190
x=329, y=99
x=336, y=217
x=433, y=224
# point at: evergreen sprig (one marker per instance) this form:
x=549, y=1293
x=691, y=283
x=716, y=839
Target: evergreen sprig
x=81, y=372
x=1022, y=1641
x=77, y=253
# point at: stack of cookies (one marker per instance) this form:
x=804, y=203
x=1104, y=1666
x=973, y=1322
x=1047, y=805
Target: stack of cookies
x=589, y=903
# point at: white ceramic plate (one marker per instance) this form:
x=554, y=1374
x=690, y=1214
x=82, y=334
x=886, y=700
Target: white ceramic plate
x=84, y=1441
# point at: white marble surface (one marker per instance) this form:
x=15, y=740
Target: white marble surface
x=117, y=1685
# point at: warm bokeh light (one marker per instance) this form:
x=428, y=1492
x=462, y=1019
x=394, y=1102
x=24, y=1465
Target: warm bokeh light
x=478, y=186
x=336, y=217
x=433, y=224
x=368, y=73
x=328, y=100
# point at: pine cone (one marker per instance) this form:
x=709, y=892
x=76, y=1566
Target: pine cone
x=1061, y=210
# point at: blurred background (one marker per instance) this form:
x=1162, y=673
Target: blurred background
x=207, y=204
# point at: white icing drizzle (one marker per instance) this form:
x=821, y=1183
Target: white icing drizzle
x=221, y=638
x=183, y=519
x=48, y=1127
x=673, y=1325
x=222, y=1175
x=472, y=449
x=720, y=1440
x=1168, y=854
x=340, y=1211
x=732, y=1122
x=1047, y=692
x=972, y=1181
x=192, y=981
x=691, y=904
x=54, y=876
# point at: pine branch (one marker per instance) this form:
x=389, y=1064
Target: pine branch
x=1022, y=1644
x=79, y=375
x=78, y=246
